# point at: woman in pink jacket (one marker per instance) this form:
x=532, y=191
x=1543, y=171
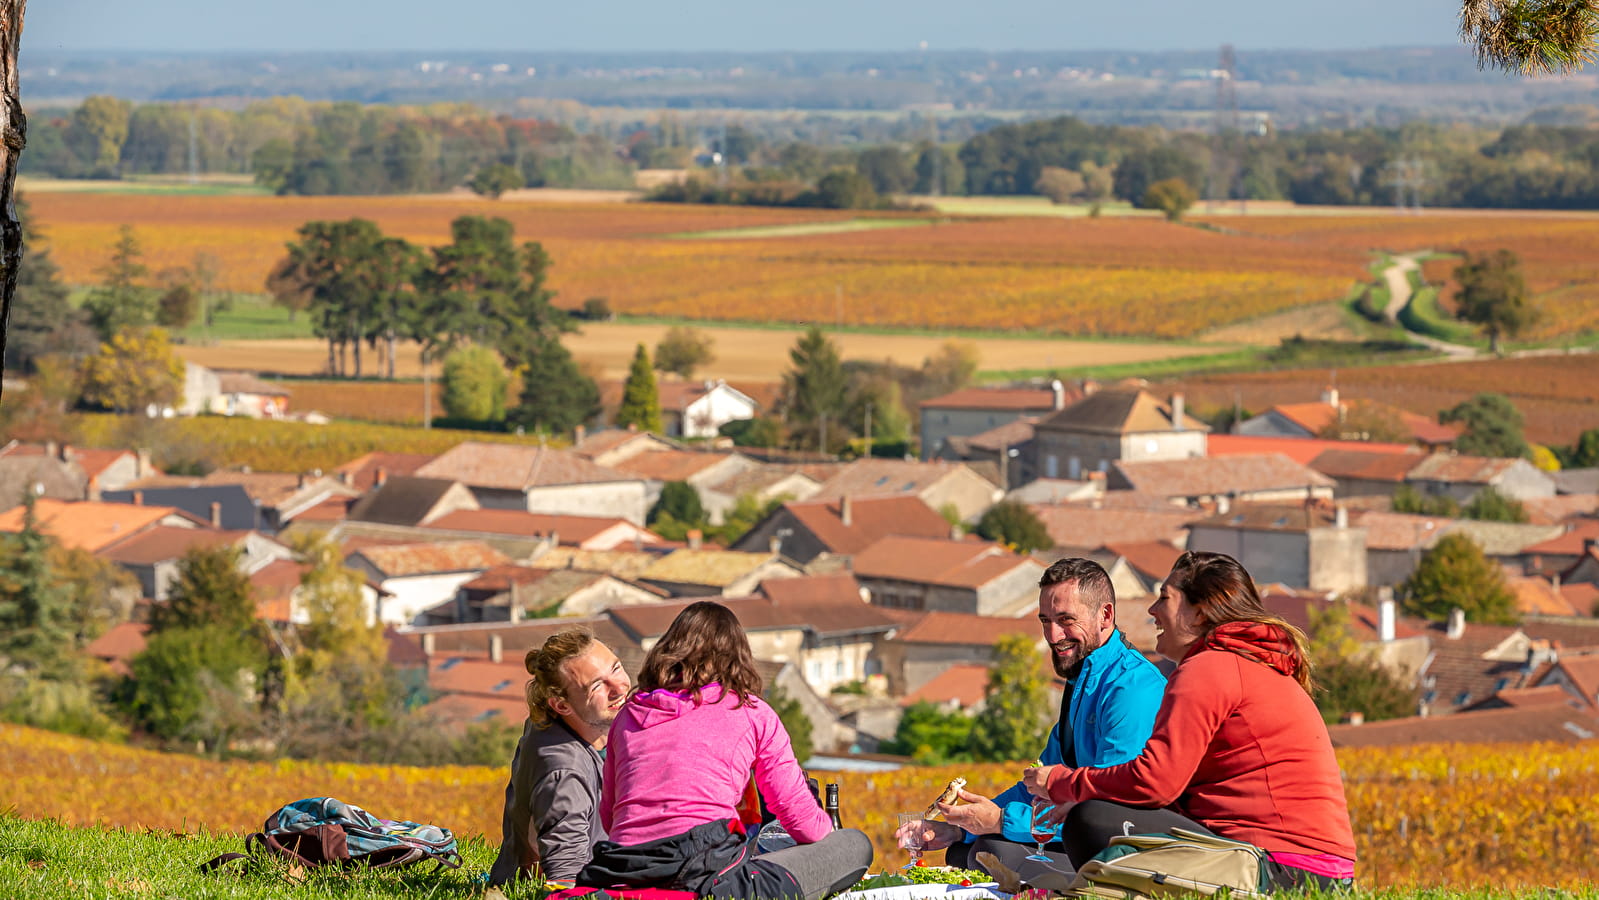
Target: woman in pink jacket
x=676, y=764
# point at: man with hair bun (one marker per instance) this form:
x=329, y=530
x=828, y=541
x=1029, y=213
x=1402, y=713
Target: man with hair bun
x=551, y=820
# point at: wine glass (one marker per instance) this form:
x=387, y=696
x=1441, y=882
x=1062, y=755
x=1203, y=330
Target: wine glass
x=1043, y=833
x=913, y=840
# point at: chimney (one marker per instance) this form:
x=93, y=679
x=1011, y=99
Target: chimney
x=1387, y=610
x=216, y=514
x=52, y=449
x=345, y=478
x=1177, y=412
x=1457, y=624
x=1058, y=391
x=1340, y=517
x=844, y=512
x=66, y=452
x=138, y=498
x=380, y=477
x=299, y=480
x=695, y=538
x=1224, y=504
x=496, y=648
x=578, y=434
x=1329, y=396
x=142, y=469
x=427, y=645
x=1356, y=718
x=775, y=545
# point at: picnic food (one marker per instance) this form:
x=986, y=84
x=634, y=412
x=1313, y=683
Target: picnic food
x=950, y=795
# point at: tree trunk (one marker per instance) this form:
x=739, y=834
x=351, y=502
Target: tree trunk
x=13, y=135
x=333, y=366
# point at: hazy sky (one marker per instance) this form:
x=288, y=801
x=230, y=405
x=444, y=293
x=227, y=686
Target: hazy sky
x=198, y=25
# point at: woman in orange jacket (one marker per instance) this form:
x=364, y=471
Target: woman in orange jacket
x=1239, y=749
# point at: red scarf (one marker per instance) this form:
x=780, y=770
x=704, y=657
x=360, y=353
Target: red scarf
x=1266, y=644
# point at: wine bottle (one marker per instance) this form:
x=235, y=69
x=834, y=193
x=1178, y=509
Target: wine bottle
x=831, y=807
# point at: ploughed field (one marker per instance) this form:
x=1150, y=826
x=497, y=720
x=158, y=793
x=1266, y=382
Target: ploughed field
x=1461, y=816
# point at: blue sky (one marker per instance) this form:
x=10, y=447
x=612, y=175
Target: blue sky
x=200, y=25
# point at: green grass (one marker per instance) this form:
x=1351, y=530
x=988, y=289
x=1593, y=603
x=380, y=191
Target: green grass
x=804, y=229
x=238, y=317
x=1423, y=315
x=50, y=861
x=1290, y=354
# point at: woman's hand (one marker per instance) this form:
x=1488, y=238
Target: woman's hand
x=1036, y=780
x=1056, y=816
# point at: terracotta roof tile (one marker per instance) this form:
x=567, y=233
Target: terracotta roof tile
x=87, y=525
x=121, y=643
x=1583, y=671
x=571, y=530
x=871, y=518
x=268, y=488
x=460, y=711
x=1082, y=525
x=516, y=467
x=624, y=564
x=961, y=629
x=1584, y=598
x=676, y=395
x=1538, y=597
x=1547, y=695
x=1273, y=517
x=1217, y=476
x=472, y=639
x=671, y=465
x=1011, y=434
x=1018, y=399
x=963, y=685
x=233, y=382
x=967, y=564
x=715, y=568
x=886, y=476
x=1457, y=469
x=1119, y=411
x=165, y=542
x=1313, y=417
x=1366, y=464
x=837, y=588
x=1399, y=531
x=761, y=478
x=1295, y=609
x=1575, y=509
x=363, y=470
x=1301, y=450
x=333, y=509
x=1152, y=559
x=274, y=585
x=401, y=560
x=1537, y=723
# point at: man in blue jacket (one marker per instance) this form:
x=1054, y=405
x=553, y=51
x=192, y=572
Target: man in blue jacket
x=1107, y=711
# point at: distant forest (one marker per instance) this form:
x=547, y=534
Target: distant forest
x=294, y=146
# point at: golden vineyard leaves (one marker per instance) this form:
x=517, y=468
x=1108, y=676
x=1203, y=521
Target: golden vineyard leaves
x=1102, y=277
x=1511, y=815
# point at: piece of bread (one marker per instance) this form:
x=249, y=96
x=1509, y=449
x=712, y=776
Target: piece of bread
x=950, y=795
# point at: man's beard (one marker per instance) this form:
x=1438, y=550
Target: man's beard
x=1069, y=667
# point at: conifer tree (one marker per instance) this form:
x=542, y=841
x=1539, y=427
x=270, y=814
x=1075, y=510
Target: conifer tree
x=641, y=402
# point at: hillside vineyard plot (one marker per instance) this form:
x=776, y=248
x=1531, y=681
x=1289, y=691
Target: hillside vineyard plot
x=1512, y=815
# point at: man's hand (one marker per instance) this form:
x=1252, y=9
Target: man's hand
x=980, y=815
x=1035, y=778
x=935, y=835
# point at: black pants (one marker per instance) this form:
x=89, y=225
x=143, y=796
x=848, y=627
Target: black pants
x=1054, y=875
x=1091, y=824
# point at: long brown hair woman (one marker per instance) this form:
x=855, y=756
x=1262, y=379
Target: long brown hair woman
x=679, y=756
x=1239, y=748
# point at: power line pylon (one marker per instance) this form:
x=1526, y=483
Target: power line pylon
x=1226, y=142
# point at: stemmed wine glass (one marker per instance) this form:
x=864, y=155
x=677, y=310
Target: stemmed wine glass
x=915, y=839
x=1043, y=833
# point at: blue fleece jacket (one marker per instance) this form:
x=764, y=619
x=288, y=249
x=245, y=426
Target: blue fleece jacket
x=1114, y=701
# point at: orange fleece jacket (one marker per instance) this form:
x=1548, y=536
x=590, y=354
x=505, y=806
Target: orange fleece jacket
x=1239, y=748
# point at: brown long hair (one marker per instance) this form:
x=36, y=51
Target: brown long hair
x=705, y=644
x=1221, y=589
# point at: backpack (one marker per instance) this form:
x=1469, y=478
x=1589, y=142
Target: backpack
x=324, y=831
x=1167, y=865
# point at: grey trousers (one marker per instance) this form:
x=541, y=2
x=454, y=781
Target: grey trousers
x=828, y=866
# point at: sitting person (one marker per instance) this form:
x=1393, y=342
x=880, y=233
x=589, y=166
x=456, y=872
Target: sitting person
x=1106, y=712
x=1239, y=749
x=551, y=820
x=681, y=752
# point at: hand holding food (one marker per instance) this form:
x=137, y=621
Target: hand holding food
x=951, y=793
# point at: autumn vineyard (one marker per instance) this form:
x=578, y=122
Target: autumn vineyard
x=1424, y=816
x=1100, y=277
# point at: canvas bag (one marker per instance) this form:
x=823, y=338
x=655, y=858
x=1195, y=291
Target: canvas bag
x=1168, y=865
x=323, y=830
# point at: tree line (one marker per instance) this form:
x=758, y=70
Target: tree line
x=297, y=147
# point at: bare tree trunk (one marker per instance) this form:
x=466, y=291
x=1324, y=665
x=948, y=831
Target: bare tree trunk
x=13, y=135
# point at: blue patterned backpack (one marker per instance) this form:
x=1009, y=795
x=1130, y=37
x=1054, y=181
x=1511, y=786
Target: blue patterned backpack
x=324, y=831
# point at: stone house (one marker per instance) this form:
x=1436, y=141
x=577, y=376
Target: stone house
x=973, y=411
x=804, y=531
x=969, y=576
x=1113, y=425
x=540, y=479
x=1302, y=546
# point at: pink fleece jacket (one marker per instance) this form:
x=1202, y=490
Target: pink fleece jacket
x=672, y=763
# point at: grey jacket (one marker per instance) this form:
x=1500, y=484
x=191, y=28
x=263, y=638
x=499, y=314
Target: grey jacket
x=552, y=806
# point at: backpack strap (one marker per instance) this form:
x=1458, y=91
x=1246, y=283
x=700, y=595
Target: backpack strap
x=212, y=865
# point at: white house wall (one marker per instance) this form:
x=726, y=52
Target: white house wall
x=622, y=499
x=413, y=594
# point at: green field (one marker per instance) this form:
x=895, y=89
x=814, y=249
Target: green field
x=205, y=185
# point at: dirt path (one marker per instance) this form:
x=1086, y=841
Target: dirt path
x=1398, y=278
x=742, y=354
